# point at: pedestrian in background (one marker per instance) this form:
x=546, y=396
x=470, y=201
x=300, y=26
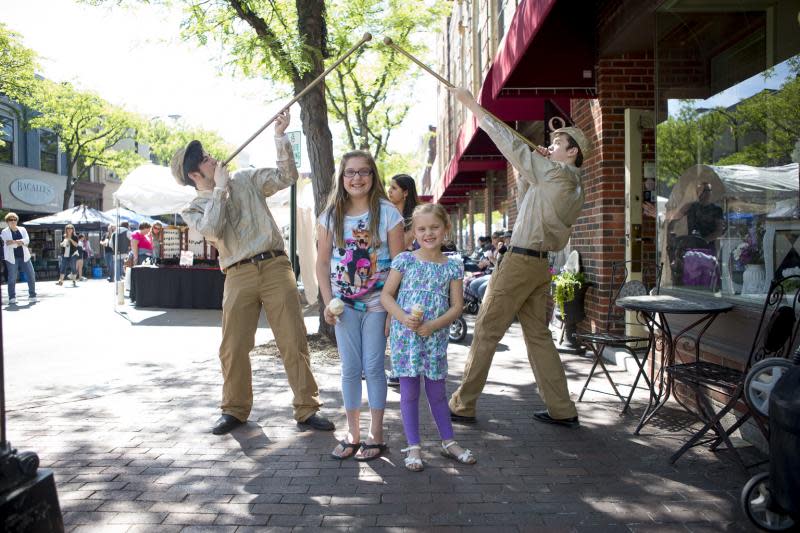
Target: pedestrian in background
x=141, y=244
x=69, y=255
x=108, y=251
x=85, y=254
x=18, y=257
x=157, y=238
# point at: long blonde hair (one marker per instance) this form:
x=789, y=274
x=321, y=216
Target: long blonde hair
x=337, y=201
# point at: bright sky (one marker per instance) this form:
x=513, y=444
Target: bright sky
x=135, y=58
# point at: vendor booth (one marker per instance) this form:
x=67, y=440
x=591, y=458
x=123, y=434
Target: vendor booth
x=187, y=274
x=729, y=228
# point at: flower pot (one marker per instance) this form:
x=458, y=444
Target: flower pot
x=753, y=279
x=573, y=314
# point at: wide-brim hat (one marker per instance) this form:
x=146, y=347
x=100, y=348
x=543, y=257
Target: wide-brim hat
x=579, y=137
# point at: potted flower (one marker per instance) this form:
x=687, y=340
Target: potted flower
x=568, y=290
x=565, y=287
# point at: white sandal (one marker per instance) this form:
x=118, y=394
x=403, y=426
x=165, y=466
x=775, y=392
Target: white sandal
x=413, y=463
x=466, y=458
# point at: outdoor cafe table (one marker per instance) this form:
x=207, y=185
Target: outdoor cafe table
x=655, y=309
x=177, y=287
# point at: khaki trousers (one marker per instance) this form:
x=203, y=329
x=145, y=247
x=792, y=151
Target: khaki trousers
x=520, y=287
x=269, y=284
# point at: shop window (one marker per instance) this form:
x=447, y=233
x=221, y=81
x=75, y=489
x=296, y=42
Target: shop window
x=48, y=151
x=6, y=140
x=727, y=149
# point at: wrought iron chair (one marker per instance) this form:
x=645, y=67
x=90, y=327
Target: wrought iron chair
x=775, y=337
x=639, y=347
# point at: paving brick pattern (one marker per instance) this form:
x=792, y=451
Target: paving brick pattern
x=138, y=456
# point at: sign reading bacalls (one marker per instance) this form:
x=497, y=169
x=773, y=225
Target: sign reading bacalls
x=33, y=192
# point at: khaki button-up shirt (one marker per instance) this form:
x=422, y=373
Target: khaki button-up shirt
x=550, y=194
x=236, y=219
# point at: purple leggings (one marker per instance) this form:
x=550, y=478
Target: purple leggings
x=437, y=400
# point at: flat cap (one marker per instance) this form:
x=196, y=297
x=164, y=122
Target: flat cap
x=176, y=166
x=579, y=137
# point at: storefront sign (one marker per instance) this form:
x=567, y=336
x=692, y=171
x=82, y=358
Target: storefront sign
x=33, y=192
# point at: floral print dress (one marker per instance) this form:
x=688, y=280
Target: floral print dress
x=427, y=284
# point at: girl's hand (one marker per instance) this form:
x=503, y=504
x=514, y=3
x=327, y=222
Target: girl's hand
x=411, y=322
x=425, y=329
x=330, y=318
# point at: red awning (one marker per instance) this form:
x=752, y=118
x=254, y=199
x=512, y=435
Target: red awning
x=548, y=55
x=549, y=50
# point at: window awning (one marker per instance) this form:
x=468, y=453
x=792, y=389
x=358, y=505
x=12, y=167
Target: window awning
x=548, y=55
x=549, y=50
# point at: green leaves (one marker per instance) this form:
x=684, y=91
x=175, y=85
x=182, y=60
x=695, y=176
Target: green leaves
x=368, y=93
x=564, y=286
x=17, y=66
x=165, y=139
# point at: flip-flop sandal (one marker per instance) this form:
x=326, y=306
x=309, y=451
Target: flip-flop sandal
x=380, y=447
x=466, y=458
x=355, y=446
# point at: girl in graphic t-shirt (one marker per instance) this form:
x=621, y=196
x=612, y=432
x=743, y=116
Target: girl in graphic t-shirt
x=359, y=233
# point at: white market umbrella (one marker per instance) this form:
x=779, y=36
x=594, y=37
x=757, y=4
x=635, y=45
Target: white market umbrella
x=151, y=190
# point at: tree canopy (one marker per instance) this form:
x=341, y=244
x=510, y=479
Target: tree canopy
x=17, y=66
x=761, y=130
x=369, y=93
x=164, y=139
x=88, y=128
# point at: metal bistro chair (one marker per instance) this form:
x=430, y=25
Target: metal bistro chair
x=771, y=349
x=614, y=336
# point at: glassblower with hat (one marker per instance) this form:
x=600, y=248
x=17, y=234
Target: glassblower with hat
x=231, y=212
x=550, y=196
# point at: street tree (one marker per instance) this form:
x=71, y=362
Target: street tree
x=17, y=67
x=89, y=131
x=684, y=140
x=164, y=139
x=369, y=92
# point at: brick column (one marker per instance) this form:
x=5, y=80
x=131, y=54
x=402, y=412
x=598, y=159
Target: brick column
x=599, y=233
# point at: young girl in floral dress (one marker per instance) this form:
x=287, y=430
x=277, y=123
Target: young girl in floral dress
x=429, y=299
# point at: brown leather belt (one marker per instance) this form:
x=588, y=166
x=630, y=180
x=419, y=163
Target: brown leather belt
x=269, y=254
x=526, y=251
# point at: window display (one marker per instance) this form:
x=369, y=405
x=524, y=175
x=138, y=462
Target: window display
x=727, y=148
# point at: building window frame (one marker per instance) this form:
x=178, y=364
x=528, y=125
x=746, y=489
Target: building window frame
x=8, y=118
x=56, y=155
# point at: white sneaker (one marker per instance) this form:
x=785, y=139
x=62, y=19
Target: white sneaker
x=32, y=299
x=12, y=301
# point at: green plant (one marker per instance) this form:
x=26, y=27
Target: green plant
x=564, y=286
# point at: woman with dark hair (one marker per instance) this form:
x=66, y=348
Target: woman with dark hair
x=141, y=243
x=403, y=195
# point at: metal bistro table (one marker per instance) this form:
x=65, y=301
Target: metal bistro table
x=655, y=309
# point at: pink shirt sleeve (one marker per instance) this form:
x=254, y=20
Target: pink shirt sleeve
x=144, y=242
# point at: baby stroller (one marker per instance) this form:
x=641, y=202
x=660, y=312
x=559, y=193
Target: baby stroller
x=770, y=499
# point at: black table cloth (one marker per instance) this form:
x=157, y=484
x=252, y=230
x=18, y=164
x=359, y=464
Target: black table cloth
x=177, y=287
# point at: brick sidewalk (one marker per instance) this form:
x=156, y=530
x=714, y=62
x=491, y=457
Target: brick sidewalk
x=139, y=457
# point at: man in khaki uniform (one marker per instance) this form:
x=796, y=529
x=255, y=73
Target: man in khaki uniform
x=549, y=198
x=232, y=213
